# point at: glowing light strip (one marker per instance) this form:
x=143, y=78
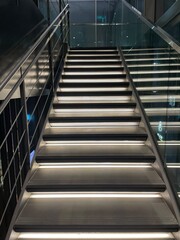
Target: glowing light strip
x=173, y=166
x=147, y=53
x=94, y=97
x=92, y=89
x=94, y=60
x=148, y=72
x=95, y=110
x=107, y=143
x=157, y=88
x=95, y=195
x=94, y=166
x=90, y=163
x=95, y=235
x=95, y=124
x=95, y=66
x=154, y=65
x=93, y=55
x=158, y=97
x=93, y=74
x=111, y=80
x=146, y=59
x=169, y=143
x=157, y=79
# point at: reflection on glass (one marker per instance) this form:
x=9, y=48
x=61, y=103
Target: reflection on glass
x=155, y=69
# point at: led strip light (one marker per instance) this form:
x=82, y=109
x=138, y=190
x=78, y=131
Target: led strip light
x=95, y=236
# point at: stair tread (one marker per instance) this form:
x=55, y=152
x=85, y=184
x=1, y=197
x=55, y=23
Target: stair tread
x=114, y=130
x=93, y=85
x=97, y=150
x=93, y=116
x=95, y=69
x=102, y=76
x=96, y=214
x=94, y=105
x=95, y=93
x=97, y=179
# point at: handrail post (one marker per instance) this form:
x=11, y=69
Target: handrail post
x=25, y=122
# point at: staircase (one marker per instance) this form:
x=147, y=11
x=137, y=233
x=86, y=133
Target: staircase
x=95, y=176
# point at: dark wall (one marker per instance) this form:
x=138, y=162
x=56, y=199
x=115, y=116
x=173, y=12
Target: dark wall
x=20, y=24
x=17, y=18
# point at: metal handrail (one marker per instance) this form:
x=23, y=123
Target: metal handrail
x=5, y=81
x=170, y=188
x=158, y=30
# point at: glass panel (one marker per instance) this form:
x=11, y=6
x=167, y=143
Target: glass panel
x=155, y=69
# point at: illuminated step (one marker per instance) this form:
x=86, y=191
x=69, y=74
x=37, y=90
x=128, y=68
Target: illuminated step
x=162, y=111
x=154, y=71
x=94, y=60
x=168, y=65
x=97, y=177
x=81, y=73
x=93, y=65
x=93, y=51
x=95, y=153
x=120, y=79
x=156, y=88
x=94, y=55
x=156, y=54
x=134, y=134
x=93, y=106
x=71, y=212
x=159, y=79
x=150, y=58
x=145, y=49
x=93, y=69
x=98, y=118
x=90, y=89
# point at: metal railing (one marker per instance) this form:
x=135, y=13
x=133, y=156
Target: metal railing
x=26, y=95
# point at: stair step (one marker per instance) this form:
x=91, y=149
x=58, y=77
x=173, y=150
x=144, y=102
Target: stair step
x=100, y=106
x=159, y=92
x=92, y=51
x=155, y=75
x=146, y=50
x=91, y=63
x=94, y=76
x=154, y=68
x=93, y=69
x=92, y=214
x=165, y=83
x=94, y=85
x=93, y=56
x=150, y=59
x=95, y=153
x=150, y=55
x=99, y=118
x=125, y=133
x=94, y=60
x=95, y=93
x=97, y=178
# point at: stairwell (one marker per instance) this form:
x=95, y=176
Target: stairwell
x=95, y=175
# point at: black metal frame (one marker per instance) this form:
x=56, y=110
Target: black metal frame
x=29, y=89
